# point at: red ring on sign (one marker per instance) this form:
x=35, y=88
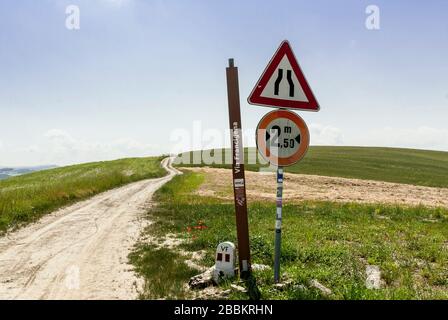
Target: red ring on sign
x=261, y=143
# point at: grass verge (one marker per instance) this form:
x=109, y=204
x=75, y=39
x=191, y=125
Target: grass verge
x=165, y=269
x=332, y=243
x=26, y=198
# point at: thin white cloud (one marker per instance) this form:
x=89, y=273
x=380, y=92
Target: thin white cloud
x=60, y=137
x=325, y=135
x=117, y=3
x=423, y=137
x=59, y=147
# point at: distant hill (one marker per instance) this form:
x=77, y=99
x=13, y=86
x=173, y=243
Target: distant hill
x=417, y=167
x=13, y=172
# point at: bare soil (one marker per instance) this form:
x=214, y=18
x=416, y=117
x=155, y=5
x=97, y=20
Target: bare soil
x=298, y=187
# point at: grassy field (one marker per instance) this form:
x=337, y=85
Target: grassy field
x=26, y=198
x=329, y=242
x=417, y=167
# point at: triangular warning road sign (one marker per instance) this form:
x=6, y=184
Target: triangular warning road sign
x=283, y=84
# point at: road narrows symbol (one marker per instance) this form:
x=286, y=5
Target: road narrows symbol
x=290, y=82
x=279, y=80
x=283, y=84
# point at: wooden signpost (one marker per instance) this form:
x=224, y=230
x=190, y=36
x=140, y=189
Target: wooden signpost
x=239, y=180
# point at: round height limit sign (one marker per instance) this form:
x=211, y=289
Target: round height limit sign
x=282, y=138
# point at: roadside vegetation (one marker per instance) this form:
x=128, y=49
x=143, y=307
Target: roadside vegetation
x=332, y=243
x=417, y=167
x=26, y=198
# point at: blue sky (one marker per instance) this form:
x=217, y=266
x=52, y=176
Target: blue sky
x=137, y=72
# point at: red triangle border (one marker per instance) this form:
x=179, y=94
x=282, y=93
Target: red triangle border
x=255, y=97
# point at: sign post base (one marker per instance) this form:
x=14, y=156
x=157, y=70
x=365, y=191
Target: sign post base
x=278, y=225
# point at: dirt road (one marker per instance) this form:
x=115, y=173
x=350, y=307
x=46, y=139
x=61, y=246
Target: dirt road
x=79, y=252
x=298, y=187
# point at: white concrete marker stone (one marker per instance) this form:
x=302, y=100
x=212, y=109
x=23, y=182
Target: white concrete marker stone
x=373, y=280
x=224, y=261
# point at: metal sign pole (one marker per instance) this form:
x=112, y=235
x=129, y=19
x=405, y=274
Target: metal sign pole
x=278, y=225
x=295, y=139
x=239, y=181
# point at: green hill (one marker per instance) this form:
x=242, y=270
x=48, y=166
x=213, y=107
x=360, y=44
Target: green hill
x=417, y=167
x=26, y=198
